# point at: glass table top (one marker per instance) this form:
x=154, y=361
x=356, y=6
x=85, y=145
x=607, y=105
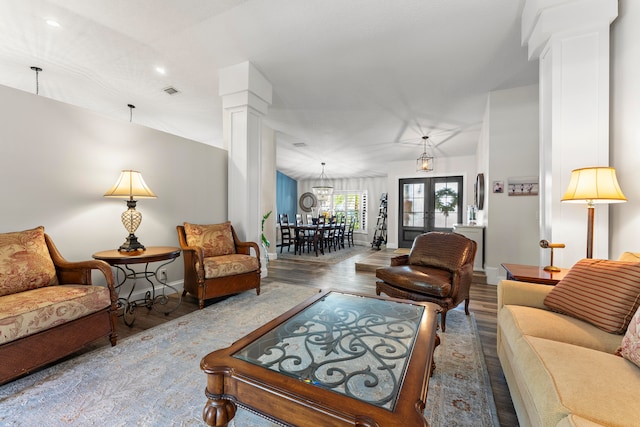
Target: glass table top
x=354, y=345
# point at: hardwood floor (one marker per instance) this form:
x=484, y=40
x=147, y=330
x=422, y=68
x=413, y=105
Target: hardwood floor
x=344, y=276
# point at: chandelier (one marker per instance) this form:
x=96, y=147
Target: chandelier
x=425, y=161
x=322, y=191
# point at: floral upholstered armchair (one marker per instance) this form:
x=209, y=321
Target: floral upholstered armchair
x=49, y=307
x=216, y=263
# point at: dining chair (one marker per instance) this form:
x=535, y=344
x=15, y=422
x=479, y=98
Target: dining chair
x=329, y=235
x=286, y=238
x=349, y=231
x=340, y=232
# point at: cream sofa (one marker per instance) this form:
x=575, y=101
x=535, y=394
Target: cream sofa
x=562, y=371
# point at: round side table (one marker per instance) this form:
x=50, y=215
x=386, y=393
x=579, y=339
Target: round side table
x=153, y=299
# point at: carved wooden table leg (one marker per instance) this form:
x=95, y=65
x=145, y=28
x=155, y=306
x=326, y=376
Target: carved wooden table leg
x=433, y=359
x=217, y=411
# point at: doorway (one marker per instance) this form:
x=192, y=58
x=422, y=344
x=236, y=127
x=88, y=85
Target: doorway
x=428, y=204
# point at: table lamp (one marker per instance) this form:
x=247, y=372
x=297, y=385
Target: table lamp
x=593, y=185
x=545, y=244
x=130, y=185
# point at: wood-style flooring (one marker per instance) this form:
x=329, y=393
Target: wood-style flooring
x=344, y=276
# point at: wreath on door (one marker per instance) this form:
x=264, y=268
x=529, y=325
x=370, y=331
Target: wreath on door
x=446, y=200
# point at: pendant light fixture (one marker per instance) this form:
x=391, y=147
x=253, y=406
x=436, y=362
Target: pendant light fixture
x=324, y=190
x=425, y=161
x=131, y=107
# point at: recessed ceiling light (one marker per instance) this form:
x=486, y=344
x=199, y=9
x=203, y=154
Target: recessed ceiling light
x=161, y=70
x=52, y=23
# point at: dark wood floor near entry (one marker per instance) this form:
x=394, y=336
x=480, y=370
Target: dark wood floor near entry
x=343, y=275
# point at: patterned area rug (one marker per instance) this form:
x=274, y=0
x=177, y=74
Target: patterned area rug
x=154, y=378
x=333, y=257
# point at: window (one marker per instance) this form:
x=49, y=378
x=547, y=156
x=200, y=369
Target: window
x=349, y=203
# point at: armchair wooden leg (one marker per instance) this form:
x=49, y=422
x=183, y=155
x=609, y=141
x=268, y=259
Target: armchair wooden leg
x=443, y=319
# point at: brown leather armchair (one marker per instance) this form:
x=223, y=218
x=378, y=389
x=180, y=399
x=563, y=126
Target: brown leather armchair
x=438, y=269
x=216, y=262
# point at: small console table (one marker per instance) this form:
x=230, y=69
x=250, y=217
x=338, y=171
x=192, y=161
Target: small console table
x=534, y=274
x=122, y=261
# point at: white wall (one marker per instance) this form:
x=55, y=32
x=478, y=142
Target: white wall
x=512, y=222
x=268, y=190
x=374, y=187
x=625, y=127
x=450, y=166
x=57, y=161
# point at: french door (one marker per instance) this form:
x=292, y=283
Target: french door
x=428, y=204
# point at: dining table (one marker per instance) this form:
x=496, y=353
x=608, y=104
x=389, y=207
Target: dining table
x=304, y=233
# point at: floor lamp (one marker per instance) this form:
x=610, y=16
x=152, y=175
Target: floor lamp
x=593, y=185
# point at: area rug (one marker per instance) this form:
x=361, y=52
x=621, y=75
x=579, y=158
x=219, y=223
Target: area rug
x=460, y=390
x=154, y=378
x=333, y=257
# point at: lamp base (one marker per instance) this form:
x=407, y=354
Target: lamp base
x=131, y=244
x=551, y=268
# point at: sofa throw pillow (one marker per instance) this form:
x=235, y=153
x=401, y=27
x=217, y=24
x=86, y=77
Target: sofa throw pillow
x=25, y=262
x=602, y=292
x=630, y=348
x=215, y=239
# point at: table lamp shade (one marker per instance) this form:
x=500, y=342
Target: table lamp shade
x=130, y=185
x=594, y=185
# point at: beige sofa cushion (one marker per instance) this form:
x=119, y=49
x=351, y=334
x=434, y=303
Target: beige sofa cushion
x=214, y=239
x=630, y=257
x=25, y=262
x=602, y=292
x=594, y=385
x=577, y=421
x=32, y=311
x=516, y=321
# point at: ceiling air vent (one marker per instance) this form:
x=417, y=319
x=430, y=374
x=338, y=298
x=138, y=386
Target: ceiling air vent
x=299, y=144
x=171, y=90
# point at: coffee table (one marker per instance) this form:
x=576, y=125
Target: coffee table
x=337, y=359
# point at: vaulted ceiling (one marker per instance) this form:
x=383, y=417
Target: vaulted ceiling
x=356, y=83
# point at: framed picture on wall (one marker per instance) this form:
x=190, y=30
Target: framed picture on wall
x=498, y=186
x=523, y=186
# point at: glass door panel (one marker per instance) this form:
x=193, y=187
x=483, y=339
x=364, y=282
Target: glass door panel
x=428, y=204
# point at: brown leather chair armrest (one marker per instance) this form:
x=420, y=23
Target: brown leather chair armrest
x=400, y=260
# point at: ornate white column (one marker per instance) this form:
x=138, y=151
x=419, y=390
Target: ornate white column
x=571, y=40
x=246, y=96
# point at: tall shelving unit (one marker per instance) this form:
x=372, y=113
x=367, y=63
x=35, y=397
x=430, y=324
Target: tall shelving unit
x=380, y=235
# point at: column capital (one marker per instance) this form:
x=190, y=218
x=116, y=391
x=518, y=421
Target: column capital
x=243, y=85
x=544, y=20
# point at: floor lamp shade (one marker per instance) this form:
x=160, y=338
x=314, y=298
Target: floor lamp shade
x=593, y=185
x=131, y=185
